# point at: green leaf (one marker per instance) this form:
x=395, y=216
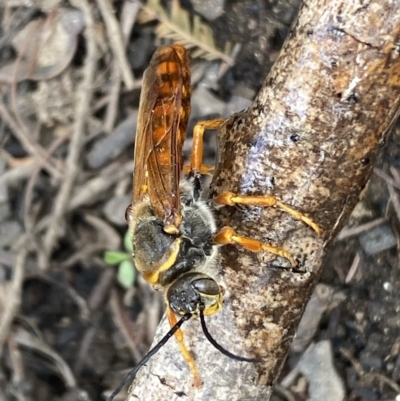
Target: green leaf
x=115, y=257
x=126, y=274
x=128, y=242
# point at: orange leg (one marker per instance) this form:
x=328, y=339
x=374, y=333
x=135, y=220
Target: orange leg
x=228, y=235
x=186, y=354
x=231, y=199
x=204, y=169
x=196, y=157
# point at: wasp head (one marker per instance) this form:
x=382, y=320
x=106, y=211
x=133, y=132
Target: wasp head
x=193, y=291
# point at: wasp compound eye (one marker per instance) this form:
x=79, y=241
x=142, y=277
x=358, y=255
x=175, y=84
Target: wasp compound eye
x=206, y=286
x=128, y=214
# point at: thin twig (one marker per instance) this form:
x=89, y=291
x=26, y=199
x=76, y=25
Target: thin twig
x=362, y=373
x=16, y=174
x=128, y=17
x=84, y=196
x=130, y=8
x=351, y=232
x=18, y=371
x=224, y=67
x=116, y=40
x=395, y=174
x=28, y=219
x=32, y=148
x=102, y=101
x=95, y=187
x=128, y=330
x=84, y=96
x=22, y=133
x=28, y=341
x=284, y=392
x=112, y=107
x=11, y=307
x=353, y=268
x=387, y=178
x=394, y=196
x=96, y=301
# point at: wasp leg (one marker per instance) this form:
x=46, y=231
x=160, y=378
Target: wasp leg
x=196, y=157
x=204, y=169
x=231, y=199
x=186, y=354
x=227, y=235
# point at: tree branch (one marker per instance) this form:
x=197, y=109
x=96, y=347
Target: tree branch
x=311, y=138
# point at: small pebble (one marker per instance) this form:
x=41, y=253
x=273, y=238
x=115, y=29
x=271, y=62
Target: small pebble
x=9, y=232
x=209, y=9
x=370, y=361
x=378, y=239
x=316, y=364
x=366, y=394
x=370, y=356
x=111, y=146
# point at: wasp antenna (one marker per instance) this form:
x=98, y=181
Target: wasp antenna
x=152, y=352
x=219, y=347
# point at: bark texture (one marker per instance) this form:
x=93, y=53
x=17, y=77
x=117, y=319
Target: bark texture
x=311, y=138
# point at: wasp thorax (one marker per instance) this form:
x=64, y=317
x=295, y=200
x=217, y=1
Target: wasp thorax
x=193, y=290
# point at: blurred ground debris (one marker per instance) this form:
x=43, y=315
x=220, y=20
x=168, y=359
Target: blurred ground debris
x=70, y=78
x=316, y=364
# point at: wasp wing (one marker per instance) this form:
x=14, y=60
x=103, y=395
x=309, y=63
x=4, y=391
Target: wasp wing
x=161, y=130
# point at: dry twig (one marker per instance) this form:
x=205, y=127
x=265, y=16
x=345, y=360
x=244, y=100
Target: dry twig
x=116, y=40
x=83, y=97
x=351, y=232
x=32, y=148
x=12, y=296
x=394, y=196
x=389, y=180
x=128, y=17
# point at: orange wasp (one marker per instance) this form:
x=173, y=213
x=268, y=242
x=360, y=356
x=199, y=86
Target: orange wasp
x=174, y=234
